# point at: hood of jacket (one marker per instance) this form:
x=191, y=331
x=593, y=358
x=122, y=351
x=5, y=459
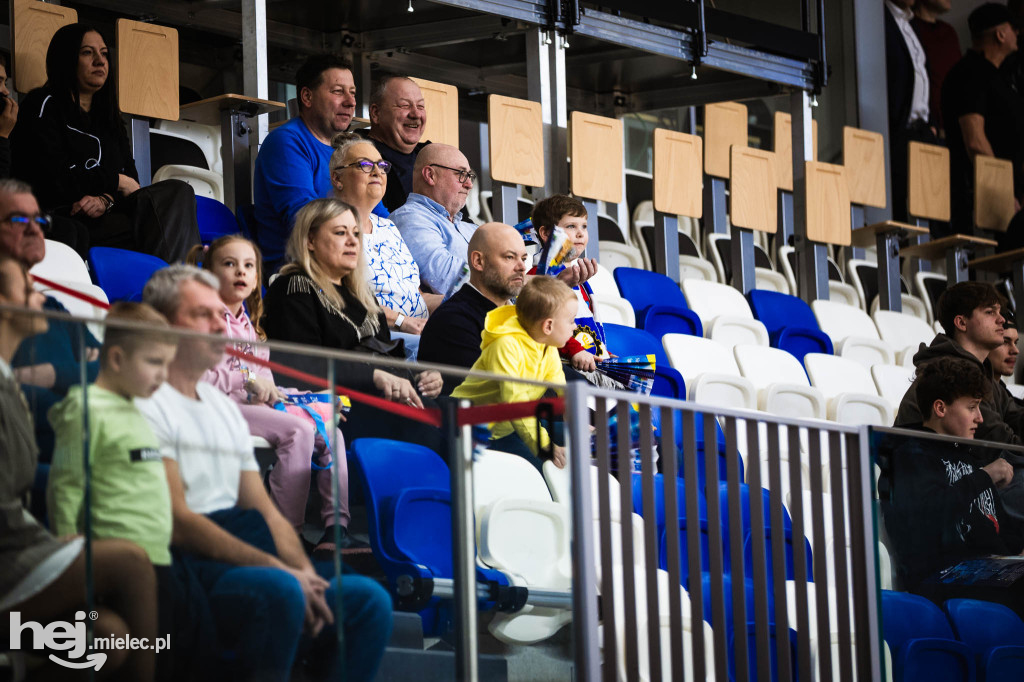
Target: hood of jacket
x=500, y=322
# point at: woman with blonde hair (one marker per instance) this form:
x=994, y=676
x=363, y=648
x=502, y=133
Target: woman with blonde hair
x=323, y=298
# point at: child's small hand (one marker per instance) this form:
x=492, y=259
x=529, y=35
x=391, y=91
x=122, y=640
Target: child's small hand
x=584, y=361
x=558, y=456
x=263, y=391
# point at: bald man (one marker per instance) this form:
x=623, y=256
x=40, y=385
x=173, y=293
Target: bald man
x=431, y=218
x=498, y=262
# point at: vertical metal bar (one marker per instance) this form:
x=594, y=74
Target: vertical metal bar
x=670, y=474
x=735, y=534
x=339, y=605
x=1017, y=280
x=693, y=553
x=889, y=293
x=857, y=220
x=651, y=540
x=822, y=53
x=604, y=496
x=785, y=233
x=872, y=95
x=141, y=149
x=625, y=471
x=90, y=587
x=460, y=460
x=255, y=78
x=742, y=244
x=545, y=73
x=715, y=563
x=716, y=210
x=666, y=245
x=758, y=559
x=593, y=249
x=839, y=555
x=584, y=573
x=800, y=576
x=505, y=203
x=820, y=558
x=811, y=257
x=956, y=265
x=783, y=662
x=864, y=555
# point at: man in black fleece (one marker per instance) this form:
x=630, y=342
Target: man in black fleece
x=938, y=498
x=970, y=314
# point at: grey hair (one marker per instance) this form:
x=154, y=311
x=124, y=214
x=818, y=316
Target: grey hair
x=163, y=290
x=378, y=93
x=14, y=186
x=342, y=142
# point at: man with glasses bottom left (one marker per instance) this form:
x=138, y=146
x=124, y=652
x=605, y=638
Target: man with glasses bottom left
x=46, y=365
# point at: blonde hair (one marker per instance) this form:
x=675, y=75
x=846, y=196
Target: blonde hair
x=203, y=257
x=308, y=220
x=540, y=299
x=130, y=340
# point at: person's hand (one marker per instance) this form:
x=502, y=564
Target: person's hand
x=8, y=117
x=396, y=389
x=558, y=456
x=1000, y=471
x=263, y=391
x=126, y=185
x=429, y=383
x=584, y=361
x=43, y=375
x=412, y=325
x=318, y=613
x=93, y=207
x=582, y=269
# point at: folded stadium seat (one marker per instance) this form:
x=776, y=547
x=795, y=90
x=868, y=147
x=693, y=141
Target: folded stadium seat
x=993, y=632
x=77, y=306
x=838, y=289
x=614, y=310
x=765, y=276
x=624, y=341
x=407, y=492
x=608, y=230
x=203, y=182
x=1017, y=391
x=643, y=213
x=169, y=147
x=781, y=382
x=710, y=372
x=215, y=219
x=206, y=137
x=62, y=264
x=929, y=286
x=121, y=273
x=692, y=264
x=893, y=382
x=853, y=333
x=524, y=205
x=922, y=643
x=651, y=293
x=864, y=276
x=725, y=313
x=603, y=283
x=615, y=255
x=905, y=333
x=522, y=532
x=852, y=396
x=790, y=322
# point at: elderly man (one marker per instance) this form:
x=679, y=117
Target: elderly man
x=263, y=590
x=430, y=220
x=293, y=166
x=397, y=118
x=49, y=364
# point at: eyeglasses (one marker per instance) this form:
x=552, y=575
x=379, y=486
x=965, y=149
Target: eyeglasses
x=461, y=174
x=367, y=166
x=43, y=222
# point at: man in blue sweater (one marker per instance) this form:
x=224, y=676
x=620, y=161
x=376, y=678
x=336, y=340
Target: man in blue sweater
x=293, y=166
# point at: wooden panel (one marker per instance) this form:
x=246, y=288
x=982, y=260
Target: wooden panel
x=147, y=70
x=208, y=111
x=34, y=26
x=864, y=159
x=928, y=170
x=442, y=103
x=516, y=140
x=998, y=262
x=993, y=193
x=783, y=146
x=937, y=248
x=828, y=204
x=752, y=196
x=677, y=173
x=725, y=127
x=595, y=147
x=866, y=236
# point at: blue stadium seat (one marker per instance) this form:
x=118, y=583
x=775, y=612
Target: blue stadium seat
x=656, y=297
x=790, y=323
x=624, y=341
x=994, y=633
x=214, y=219
x=408, y=502
x=122, y=274
x=922, y=643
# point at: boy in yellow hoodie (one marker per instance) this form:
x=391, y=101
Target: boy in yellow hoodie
x=522, y=341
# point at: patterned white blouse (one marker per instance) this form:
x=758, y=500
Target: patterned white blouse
x=394, y=275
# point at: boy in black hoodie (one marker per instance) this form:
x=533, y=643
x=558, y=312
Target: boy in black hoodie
x=938, y=497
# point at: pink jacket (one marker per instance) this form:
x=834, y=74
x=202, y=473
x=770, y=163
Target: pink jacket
x=229, y=376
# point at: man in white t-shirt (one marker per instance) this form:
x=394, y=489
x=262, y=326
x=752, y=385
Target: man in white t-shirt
x=263, y=590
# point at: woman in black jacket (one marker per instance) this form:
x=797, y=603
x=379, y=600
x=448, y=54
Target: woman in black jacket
x=71, y=145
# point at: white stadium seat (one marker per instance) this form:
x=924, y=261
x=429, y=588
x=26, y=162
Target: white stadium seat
x=852, y=396
x=905, y=333
x=725, y=313
x=853, y=333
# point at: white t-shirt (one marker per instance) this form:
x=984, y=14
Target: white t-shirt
x=208, y=438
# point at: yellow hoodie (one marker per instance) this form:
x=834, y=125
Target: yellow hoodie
x=507, y=348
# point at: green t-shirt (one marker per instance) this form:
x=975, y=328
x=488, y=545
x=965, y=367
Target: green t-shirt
x=130, y=498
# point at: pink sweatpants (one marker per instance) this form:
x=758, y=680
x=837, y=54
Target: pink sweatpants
x=293, y=438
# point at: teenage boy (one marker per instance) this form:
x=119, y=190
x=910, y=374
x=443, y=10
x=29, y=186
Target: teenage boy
x=938, y=498
x=1004, y=358
x=522, y=341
